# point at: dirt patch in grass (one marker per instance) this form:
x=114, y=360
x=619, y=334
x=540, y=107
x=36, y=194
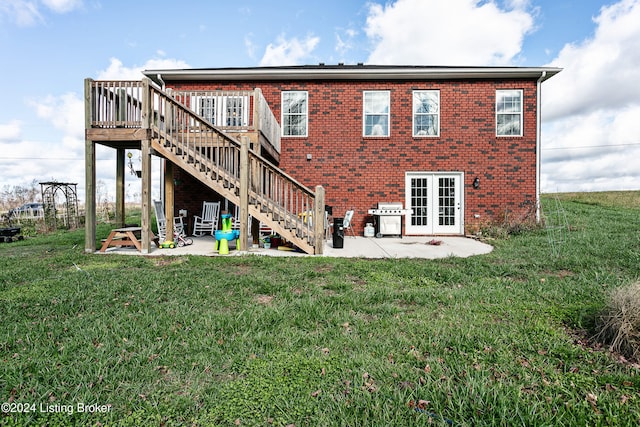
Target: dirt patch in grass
x=326, y=268
x=264, y=299
x=242, y=270
x=164, y=261
x=561, y=274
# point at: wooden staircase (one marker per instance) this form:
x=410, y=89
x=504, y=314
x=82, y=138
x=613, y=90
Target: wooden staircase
x=228, y=166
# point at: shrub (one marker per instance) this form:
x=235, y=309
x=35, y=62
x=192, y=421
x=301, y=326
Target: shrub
x=619, y=324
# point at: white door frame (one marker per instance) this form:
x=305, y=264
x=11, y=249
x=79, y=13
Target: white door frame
x=431, y=213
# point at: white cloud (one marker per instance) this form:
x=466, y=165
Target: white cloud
x=250, y=45
x=595, y=102
x=62, y=6
x=60, y=154
x=602, y=72
x=11, y=131
x=27, y=13
x=23, y=13
x=453, y=32
x=66, y=113
x=345, y=41
x=118, y=71
x=289, y=52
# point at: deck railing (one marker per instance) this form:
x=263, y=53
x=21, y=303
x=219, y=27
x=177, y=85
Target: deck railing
x=233, y=111
x=205, y=147
x=116, y=104
x=278, y=195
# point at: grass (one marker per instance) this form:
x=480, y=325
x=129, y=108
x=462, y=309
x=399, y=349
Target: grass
x=489, y=340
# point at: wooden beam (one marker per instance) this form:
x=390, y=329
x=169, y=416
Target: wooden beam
x=254, y=187
x=146, y=169
x=244, y=193
x=120, y=187
x=145, y=217
x=117, y=134
x=169, y=197
x=318, y=220
x=90, y=176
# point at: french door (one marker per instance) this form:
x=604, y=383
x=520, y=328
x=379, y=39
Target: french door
x=436, y=199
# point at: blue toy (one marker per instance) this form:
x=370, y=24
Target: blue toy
x=225, y=234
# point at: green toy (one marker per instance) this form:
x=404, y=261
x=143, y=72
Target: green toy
x=167, y=244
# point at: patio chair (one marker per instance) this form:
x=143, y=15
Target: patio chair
x=161, y=222
x=207, y=223
x=346, y=224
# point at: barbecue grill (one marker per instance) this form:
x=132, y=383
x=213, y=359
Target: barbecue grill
x=388, y=218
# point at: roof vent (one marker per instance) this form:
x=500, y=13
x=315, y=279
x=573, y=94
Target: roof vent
x=341, y=64
x=321, y=64
x=360, y=64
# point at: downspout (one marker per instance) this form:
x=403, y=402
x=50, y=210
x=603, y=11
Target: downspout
x=538, y=141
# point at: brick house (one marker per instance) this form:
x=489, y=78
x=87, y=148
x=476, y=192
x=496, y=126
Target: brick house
x=459, y=146
x=418, y=135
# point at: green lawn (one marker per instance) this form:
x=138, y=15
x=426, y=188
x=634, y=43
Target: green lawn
x=499, y=339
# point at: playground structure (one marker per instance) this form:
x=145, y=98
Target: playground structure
x=225, y=234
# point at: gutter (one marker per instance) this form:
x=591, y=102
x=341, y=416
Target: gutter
x=348, y=73
x=538, y=148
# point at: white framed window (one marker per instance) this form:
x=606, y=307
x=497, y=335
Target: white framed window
x=234, y=113
x=376, y=113
x=295, y=113
x=509, y=112
x=426, y=113
x=221, y=109
x=208, y=109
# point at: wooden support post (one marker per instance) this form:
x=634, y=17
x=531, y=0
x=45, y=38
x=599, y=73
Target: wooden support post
x=169, y=197
x=318, y=221
x=90, y=175
x=120, y=187
x=244, y=192
x=147, y=114
x=256, y=112
x=255, y=189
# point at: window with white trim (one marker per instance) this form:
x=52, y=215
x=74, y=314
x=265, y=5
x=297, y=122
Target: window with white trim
x=426, y=113
x=208, y=109
x=294, y=113
x=509, y=112
x=234, y=111
x=376, y=113
x=222, y=110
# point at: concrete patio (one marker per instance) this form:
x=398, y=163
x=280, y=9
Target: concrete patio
x=354, y=247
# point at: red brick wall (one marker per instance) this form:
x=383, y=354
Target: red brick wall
x=359, y=172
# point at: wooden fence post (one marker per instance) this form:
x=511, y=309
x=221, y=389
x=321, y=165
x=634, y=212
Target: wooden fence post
x=120, y=187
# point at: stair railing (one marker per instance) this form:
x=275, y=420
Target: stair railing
x=277, y=196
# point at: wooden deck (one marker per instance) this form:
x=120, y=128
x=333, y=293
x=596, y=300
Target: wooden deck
x=233, y=160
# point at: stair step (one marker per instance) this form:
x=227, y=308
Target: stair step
x=196, y=160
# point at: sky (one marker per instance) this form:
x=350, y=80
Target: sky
x=590, y=137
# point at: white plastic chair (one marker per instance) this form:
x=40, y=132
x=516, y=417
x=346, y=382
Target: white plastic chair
x=161, y=222
x=346, y=224
x=207, y=223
